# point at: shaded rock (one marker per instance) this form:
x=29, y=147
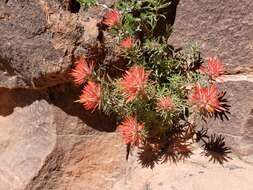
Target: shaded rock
x=40, y=39
x=221, y=28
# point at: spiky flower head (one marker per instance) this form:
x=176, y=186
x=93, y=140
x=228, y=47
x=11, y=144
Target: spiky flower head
x=111, y=18
x=214, y=68
x=127, y=43
x=206, y=98
x=130, y=131
x=134, y=82
x=164, y=104
x=81, y=71
x=91, y=96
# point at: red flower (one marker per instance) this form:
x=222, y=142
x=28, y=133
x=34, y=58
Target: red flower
x=91, y=96
x=134, y=82
x=81, y=71
x=127, y=43
x=206, y=98
x=214, y=68
x=111, y=18
x=164, y=104
x=130, y=131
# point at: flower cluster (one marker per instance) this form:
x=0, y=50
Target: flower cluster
x=134, y=82
x=214, y=68
x=91, y=93
x=206, y=98
x=130, y=130
x=157, y=91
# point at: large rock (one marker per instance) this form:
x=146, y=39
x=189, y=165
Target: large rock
x=46, y=144
x=239, y=129
x=27, y=137
x=224, y=29
x=194, y=174
x=221, y=28
x=39, y=39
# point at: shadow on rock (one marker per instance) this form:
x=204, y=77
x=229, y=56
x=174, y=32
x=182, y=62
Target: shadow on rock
x=62, y=96
x=10, y=99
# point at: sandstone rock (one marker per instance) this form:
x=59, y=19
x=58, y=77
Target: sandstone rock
x=221, y=28
x=194, y=174
x=238, y=130
x=224, y=29
x=27, y=137
x=47, y=145
x=39, y=39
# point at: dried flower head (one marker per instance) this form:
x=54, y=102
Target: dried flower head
x=127, y=43
x=164, y=104
x=206, y=98
x=111, y=18
x=81, y=71
x=130, y=131
x=214, y=68
x=134, y=82
x=91, y=96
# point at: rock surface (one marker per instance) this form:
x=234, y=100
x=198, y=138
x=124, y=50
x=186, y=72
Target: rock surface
x=51, y=147
x=27, y=134
x=223, y=29
x=238, y=130
x=40, y=39
x=220, y=28
x=196, y=174
x=50, y=143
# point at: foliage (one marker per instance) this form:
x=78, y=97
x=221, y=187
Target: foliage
x=159, y=92
x=87, y=3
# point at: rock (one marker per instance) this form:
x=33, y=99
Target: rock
x=238, y=130
x=194, y=174
x=27, y=137
x=39, y=39
x=220, y=28
x=51, y=147
x=224, y=29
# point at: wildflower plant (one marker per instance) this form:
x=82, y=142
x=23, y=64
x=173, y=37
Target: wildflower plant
x=158, y=92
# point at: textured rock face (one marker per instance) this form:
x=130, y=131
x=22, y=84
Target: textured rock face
x=222, y=28
x=28, y=135
x=39, y=39
x=49, y=142
x=238, y=130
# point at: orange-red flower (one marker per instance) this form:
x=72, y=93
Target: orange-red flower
x=91, y=96
x=206, y=98
x=127, y=43
x=82, y=71
x=134, y=82
x=130, y=131
x=111, y=18
x=214, y=68
x=164, y=104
